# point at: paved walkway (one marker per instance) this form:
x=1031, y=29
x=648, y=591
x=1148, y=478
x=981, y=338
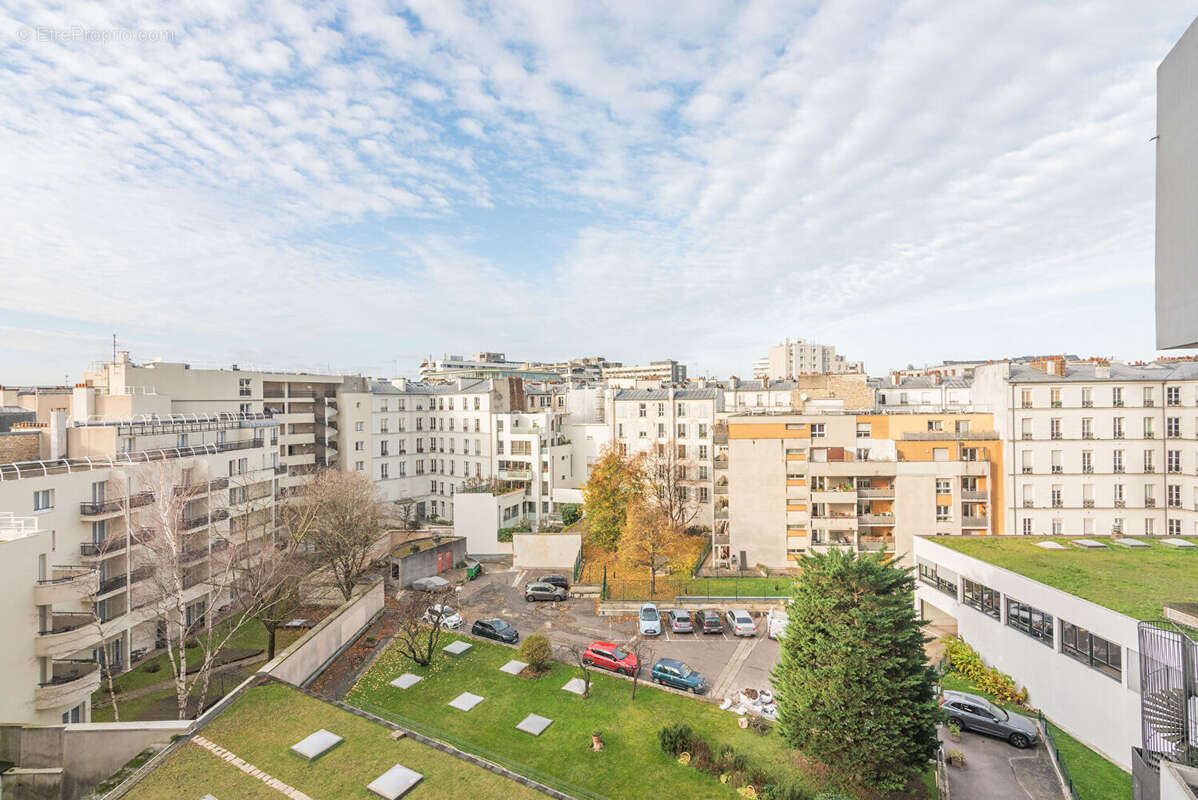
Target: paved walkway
x=249, y=769
x=994, y=770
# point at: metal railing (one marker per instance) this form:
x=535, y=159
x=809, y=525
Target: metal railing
x=95, y=507
x=1051, y=742
x=111, y=544
x=204, y=519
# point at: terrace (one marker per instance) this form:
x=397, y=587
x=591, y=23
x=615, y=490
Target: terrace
x=1133, y=581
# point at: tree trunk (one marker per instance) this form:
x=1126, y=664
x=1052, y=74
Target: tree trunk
x=270, y=646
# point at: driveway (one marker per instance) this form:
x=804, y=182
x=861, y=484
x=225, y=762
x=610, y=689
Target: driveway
x=994, y=770
x=729, y=663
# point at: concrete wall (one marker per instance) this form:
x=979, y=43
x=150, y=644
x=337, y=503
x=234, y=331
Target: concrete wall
x=545, y=550
x=757, y=500
x=424, y=563
x=477, y=517
x=1177, y=194
x=1177, y=782
x=300, y=661
x=95, y=751
x=1098, y=710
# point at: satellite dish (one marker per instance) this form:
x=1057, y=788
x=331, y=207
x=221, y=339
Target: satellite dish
x=803, y=397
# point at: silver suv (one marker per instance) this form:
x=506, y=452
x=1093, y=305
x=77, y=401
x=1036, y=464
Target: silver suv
x=972, y=712
x=543, y=591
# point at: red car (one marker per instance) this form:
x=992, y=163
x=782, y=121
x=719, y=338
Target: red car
x=609, y=656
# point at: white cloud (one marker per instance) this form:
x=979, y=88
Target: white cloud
x=328, y=183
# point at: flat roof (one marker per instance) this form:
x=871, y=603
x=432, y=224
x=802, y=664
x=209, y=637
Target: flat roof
x=1135, y=581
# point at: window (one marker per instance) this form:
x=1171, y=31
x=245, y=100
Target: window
x=1057, y=527
x=1173, y=427
x=1027, y=526
x=961, y=426
x=1056, y=496
x=661, y=430
x=1032, y=621
x=1149, y=431
x=817, y=430
x=1148, y=397
x=1087, y=428
x=970, y=454
x=661, y=409
x=1054, y=428
x=1174, y=527
x=360, y=465
x=243, y=387
x=1117, y=461
x=1055, y=398
x=1149, y=496
x=935, y=425
x=681, y=408
x=1117, y=428
x=939, y=577
x=1056, y=466
x=944, y=513
x=642, y=410
x=1173, y=496
x=1087, y=461
x=384, y=427
x=359, y=426
x=1093, y=651
x=1173, y=460
x=681, y=430
x=944, y=486
x=1173, y=396
x=383, y=450
x=43, y=499
x=863, y=430
x=1148, y=464
x=1025, y=459
x=1087, y=397
x=1150, y=527
x=1025, y=398
x=1117, y=396
x=983, y=598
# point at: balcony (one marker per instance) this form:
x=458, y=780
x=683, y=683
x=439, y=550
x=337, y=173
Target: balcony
x=721, y=538
x=876, y=494
x=68, y=585
x=67, y=634
x=721, y=513
x=719, y=434
x=721, y=488
x=848, y=523
x=721, y=462
x=1149, y=502
x=214, y=485
x=109, y=546
x=121, y=581
x=975, y=522
x=192, y=555
x=104, y=508
x=71, y=683
x=876, y=520
x=197, y=522
x=876, y=545
x=973, y=494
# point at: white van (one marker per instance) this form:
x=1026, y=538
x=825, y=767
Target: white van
x=775, y=623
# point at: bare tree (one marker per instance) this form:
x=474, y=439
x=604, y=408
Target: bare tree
x=668, y=478
x=344, y=524
x=576, y=654
x=420, y=616
x=643, y=650
x=405, y=511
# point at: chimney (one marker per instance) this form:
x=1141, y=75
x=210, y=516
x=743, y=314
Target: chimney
x=83, y=402
x=58, y=434
x=1102, y=369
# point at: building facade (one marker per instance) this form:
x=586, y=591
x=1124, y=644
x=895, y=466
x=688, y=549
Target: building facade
x=793, y=358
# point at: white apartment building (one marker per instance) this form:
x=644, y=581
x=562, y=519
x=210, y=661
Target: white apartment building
x=1097, y=448
x=665, y=371
x=924, y=394
x=652, y=420
x=796, y=357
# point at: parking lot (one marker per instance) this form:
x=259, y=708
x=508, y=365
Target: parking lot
x=728, y=663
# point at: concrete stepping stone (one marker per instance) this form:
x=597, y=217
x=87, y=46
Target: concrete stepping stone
x=315, y=745
x=575, y=686
x=1051, y=545
x=1126, y=542
x=465, y=701
x=513, y=667
x=406, y=681
x=534, y=724
x=395, y=782
x=1178, y=543
x=456, y=648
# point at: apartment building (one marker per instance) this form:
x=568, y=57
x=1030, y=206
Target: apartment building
x=798, y=483
x=1096, y=447
x=666, y=371
x=793, y=358
x=674, y=425
x=482, y=366
x=924, y=393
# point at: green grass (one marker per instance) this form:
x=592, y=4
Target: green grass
x=1135, y=582
x=631, y=760
x=669, y=588
x=263, y=723
x=1094, y=778
x=141, y=707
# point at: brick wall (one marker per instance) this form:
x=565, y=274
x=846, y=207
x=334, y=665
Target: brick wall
x=853, y=390
x=20, y=446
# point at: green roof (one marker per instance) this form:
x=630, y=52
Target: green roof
x=1133, y=581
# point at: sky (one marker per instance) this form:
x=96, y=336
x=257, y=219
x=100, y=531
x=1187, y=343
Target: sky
x=354, y=187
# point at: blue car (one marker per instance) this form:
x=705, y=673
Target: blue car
x=670, y=672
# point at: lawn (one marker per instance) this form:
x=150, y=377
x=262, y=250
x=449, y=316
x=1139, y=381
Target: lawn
x=632, y=759
x=261, y=726
x=670, y=588
x=1093, y=776
x=1131, y=581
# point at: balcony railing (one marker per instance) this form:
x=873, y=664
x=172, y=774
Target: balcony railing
x=112, y=544
x=884, y=520
x=195, y=522
x=214, y=485
x=950, y=436
x=721, y=513
x=721, y=488
x=120, y=581
x=881, y=494
x=973, y=494
x=64, y=623
x=975, y=522
x=97, y=507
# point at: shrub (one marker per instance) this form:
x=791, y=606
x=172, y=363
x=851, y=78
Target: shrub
x=537, y=651
x=675, y=738
x=460, y=565
x=759, y=726
x=152, y=666
x=964, y=662
x=571, y=513
x=783, y=791
x=191, y=643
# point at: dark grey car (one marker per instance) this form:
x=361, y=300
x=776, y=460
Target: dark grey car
x=973, y=712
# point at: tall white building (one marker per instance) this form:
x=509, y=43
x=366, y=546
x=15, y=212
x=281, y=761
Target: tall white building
x=796, y=357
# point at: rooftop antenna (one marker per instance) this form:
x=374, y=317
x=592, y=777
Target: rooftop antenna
x=114, y=348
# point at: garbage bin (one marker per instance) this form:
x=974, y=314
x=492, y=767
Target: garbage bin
x=473, y=570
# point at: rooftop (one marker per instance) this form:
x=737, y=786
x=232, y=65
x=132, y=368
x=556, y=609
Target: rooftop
x=1133, y=581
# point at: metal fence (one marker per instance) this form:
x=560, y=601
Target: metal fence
x=578, y=566
x=466, y=746
x=1056, y=756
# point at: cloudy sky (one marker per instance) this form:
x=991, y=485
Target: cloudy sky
x=358, y=186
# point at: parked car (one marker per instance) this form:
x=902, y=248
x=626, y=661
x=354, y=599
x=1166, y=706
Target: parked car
x=670, y=672
x=495, y=629
x=543, y=591
x=680, y=621
x=609, y=656
x=649, y=622
x=740, y=623
x=775, y=623
x=449, y=617
x=555, y=580
x=710, y=622
x=430, y=584
x=972, y=712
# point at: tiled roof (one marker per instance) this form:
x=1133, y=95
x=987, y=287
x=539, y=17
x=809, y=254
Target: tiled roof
x=664, y=394
x=1085, y=373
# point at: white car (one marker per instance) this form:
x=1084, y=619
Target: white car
x=649, y=620
x=740, y=623
x=450, y=618
x=775, y=623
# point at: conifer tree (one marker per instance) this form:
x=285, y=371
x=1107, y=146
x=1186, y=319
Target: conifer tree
x=853, y=686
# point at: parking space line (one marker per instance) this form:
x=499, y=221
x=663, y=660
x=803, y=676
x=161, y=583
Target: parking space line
x=519, y=577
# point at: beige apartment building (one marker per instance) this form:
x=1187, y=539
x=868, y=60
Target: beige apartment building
x=798, y=483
